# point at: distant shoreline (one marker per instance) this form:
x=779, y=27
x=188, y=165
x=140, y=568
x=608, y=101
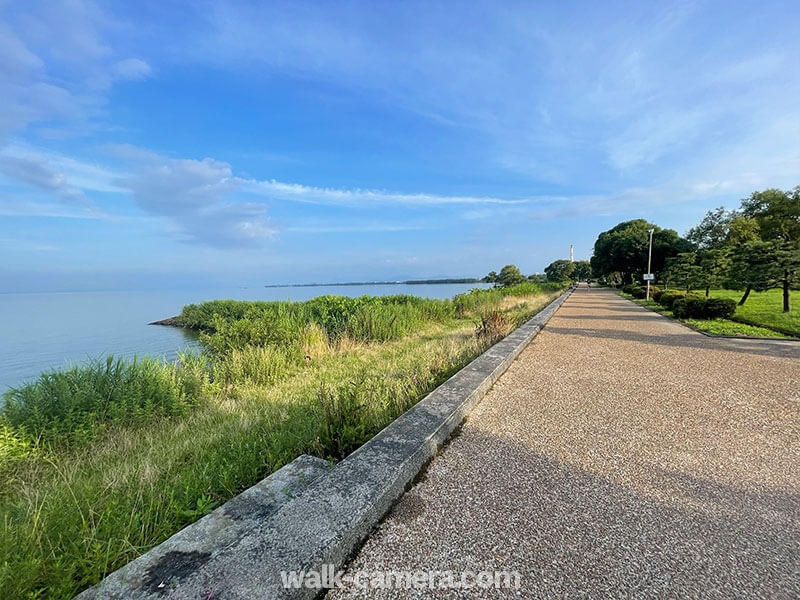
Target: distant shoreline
x=350, y=283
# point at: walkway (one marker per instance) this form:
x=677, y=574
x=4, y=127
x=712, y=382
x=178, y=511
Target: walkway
x=622, y=455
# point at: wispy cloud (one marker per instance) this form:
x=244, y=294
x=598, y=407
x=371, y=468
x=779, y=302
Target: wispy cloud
x=57, y=64
x=194, y=195
x=296, y=192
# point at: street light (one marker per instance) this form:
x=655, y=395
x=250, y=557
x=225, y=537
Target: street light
x=649, y=260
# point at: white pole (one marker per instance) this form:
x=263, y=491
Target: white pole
x=649, y=260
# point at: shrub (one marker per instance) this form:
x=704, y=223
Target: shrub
x=668, y=298
x=695, y=307
x=628, y=289
x=638, y=292
x=492, y=327
x=720, y=308
x=656, y=295
x=680, y=308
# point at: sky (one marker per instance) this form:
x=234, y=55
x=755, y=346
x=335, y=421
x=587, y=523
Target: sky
x=163, y=143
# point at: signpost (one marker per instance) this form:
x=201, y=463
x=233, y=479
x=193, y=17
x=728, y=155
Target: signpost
x=649, y=276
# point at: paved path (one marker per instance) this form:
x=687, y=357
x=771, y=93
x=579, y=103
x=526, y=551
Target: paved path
x=622, y=455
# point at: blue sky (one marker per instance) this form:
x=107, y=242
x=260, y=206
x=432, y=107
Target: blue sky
x=152, y=144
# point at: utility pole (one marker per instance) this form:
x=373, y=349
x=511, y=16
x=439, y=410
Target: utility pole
x=571, y=253
x=649, y=260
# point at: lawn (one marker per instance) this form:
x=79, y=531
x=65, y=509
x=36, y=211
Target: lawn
x=715, y=326
x=101, y=462
x=766, y=309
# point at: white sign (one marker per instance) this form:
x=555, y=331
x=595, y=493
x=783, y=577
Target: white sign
x=649, y=277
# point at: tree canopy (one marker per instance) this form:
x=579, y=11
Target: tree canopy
x=559, y=270
x=623, y=249
x=510, y=275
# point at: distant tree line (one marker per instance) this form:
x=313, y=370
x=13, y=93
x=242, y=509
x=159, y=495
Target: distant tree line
x=753, y=248
x=559, y=271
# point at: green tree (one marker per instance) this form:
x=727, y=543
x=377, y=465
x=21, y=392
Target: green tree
x=510, y=275
x=538, y=278
x=683, y=270
x=742, y=230
x=624, y=249
x=778, y=216
x=712, y=232
x=582, y=270
x=714, y=265
x=753, y=267
x=559, y=270
x=490, y=278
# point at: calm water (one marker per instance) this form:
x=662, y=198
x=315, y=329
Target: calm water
x=46, y=331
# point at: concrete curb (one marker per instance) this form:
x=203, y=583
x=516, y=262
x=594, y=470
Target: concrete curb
x=331, y=518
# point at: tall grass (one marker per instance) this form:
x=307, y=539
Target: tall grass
x=79, y=403
x=481, y=300
x=261, y=395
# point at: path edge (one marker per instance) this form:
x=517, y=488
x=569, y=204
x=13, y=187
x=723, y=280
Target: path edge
x=333, y=516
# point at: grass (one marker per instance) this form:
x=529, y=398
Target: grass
x=765, y=309
x=715, y=326
x=74, y=508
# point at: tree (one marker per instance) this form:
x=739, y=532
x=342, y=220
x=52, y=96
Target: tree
x=684, y=270
x=559, y=270
x=490, y=278
x=712, y=232
x=753, y=267
x=714, y=265
x=742, y=230
x=582, y=270
x=510, y=275
x=778, y=216
x=538, y=278
x=624, y=249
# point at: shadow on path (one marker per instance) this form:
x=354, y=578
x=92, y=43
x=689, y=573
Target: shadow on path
x=688, y=340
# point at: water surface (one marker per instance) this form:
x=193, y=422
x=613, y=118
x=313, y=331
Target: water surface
x=45, y=331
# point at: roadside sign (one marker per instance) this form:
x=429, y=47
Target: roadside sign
x=649, y=277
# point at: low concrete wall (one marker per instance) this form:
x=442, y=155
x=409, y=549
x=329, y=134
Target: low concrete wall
x=328, y=521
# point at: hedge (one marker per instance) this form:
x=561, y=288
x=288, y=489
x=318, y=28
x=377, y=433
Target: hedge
x=693, y=307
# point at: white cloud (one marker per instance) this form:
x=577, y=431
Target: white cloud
x=194, y=195
x=296, y=192
x=132, y=69
x=57, y=64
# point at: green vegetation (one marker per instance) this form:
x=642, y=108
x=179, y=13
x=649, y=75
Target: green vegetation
x=753, y=249
x=560, y=272
x=764, y=309
x=103, y=461
x=621, y=253
x=723, y=326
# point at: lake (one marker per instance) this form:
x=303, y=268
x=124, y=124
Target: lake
x=44, y=331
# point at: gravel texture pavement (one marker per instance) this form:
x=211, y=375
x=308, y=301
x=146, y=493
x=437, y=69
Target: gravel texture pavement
x=622, y=455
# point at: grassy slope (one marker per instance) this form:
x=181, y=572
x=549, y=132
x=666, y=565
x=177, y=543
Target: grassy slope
x=70, y=518
x=766, y=309
x=715, y=326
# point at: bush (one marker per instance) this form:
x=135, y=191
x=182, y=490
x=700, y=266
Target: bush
x=680, y=308
x=720, y=308
x=628, y=289
x=656, y=295
x=695, y=307
x=492, y=327
x=668, y=298
x=638, y=293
